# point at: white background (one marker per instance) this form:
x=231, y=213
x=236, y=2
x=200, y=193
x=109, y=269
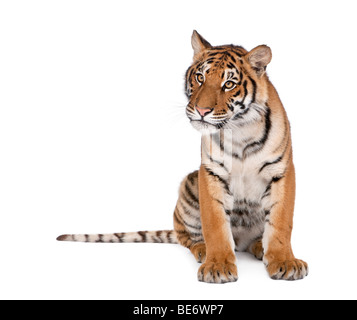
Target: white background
x=93, y=139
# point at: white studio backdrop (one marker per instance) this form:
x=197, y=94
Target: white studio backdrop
x=94, y=139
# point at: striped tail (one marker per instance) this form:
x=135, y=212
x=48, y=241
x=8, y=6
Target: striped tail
x=162, y=236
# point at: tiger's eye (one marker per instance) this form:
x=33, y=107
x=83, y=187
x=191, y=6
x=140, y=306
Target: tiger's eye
x=229, y=85
x=200, y=78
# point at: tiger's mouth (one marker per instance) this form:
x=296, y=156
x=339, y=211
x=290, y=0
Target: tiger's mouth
x=205, y=126
x=208, y=121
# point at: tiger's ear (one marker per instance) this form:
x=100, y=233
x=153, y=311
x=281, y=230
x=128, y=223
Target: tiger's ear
x=259, y=58
x=199, y=43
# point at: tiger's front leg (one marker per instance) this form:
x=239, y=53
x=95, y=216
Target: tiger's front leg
x=219, y=266
x=278, y=254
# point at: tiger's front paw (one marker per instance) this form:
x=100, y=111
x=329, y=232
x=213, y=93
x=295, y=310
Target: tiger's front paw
x=294, y=269
x=218, y=272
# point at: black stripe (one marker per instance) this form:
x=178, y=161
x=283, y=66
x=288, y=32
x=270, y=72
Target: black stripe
x=241, y=103
x=192, y=177
x=237, y=94
x=245, y=90
x=248, y=203
x=194, y=215
x=158, y=235
x=277, y=178
x=196, y=235
x=168, y=236
x=230, y=65
x=285, y=140
x=189, y=74
x=200, y=66
x=119, y=236
x=278, y=159
x=219, y=201
x=186, y=223
x=266, y=164
x=178, y=218
x=143, y=235
x=264, y=138
x=178, y=232
x=192, y=204
x=241, y=114
x=188, y=82
x=229, y=55
x=183, y=233
x=212, y=54
x=198, y=227
x=100, y=238
x=254, y=89
x=237, y=52
x=190, y=193
x=240, y=211
x=268, y=188
x=220, y=179
x=221, y=164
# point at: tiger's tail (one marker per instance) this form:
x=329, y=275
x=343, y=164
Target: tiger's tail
x=161, y=236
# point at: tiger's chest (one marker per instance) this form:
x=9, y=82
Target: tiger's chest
x=246, y=202
x=245, y=183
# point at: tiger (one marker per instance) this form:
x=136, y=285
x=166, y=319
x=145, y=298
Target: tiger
x=242, y=196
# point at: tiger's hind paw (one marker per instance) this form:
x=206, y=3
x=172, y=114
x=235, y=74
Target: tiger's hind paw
x=256, y=248
x=199, y=251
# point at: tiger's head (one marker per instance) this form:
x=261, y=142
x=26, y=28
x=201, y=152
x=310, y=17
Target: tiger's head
x=227, y=86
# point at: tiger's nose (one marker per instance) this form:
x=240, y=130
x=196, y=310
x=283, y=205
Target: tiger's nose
x=204, y=111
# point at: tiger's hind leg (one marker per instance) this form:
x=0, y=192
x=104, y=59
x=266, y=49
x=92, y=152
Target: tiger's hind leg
x=256, y=248
x=187, y=221
x=199, y=251
x=198, y=248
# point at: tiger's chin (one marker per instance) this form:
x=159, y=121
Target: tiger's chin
x=204, y=127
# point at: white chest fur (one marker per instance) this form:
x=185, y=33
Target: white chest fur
x=246, y=203
x=247, y=199
x=225, y=156
x=245, y=182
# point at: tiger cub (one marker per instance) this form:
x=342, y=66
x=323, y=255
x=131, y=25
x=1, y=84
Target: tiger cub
x=242, y=196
